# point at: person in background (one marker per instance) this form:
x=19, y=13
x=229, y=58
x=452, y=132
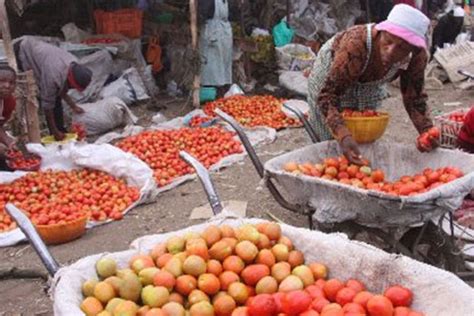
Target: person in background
x=7, y=106
x=448, y=28
x=466, y=135
x=352, y=68
x=56, y=71
x=215, y=44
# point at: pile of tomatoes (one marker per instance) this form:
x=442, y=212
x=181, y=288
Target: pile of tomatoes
x=457, y=117
x=197, y=120
x=364, y=113
x=54, y=197
x=17, y=161
x=160, y=149
x=338, y=169
x=254, y=111
x=226, y=271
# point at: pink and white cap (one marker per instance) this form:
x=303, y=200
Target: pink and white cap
x=407, y=23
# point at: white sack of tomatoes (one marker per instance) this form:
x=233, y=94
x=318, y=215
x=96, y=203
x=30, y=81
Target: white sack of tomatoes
x=436, y=292
x=76, y=156
x=335, y=202
x=169, y=170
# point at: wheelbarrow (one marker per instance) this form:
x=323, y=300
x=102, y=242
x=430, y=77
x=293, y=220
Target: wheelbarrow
x=389, y=207
x=346, y=258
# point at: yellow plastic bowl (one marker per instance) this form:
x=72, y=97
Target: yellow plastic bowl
x=367, y=129
x=48, y=140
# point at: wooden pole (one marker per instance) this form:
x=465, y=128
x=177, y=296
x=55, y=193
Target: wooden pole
x=194, y=35
x=288, y=11
x=30, y=102
x=6, y=35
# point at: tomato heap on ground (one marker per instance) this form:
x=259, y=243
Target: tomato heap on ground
x=226, y=271
x=338, y=169
x=56, y=197
x=160, y=149
x=254, y=111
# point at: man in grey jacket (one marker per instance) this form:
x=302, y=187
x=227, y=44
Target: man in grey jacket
x=56, y=71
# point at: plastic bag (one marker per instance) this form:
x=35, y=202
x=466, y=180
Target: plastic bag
x=73, y=34
x=104, y=115
x=234, y=90
x=282, y=34
x=129, y=88
x=295, y=57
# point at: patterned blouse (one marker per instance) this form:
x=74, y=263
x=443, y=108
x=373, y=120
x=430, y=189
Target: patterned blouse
x=350, y=54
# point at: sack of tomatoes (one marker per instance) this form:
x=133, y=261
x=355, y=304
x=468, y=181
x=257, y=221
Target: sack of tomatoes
x=252, y=111
x=338, y=169
x=57, y=197
x=251, y=270
x=160, y=149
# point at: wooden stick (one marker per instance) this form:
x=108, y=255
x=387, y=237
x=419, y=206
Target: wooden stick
x=6, y=36
x=32, y=107
x=194, y=34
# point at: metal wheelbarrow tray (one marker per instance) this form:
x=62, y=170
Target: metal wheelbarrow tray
x=335, y=203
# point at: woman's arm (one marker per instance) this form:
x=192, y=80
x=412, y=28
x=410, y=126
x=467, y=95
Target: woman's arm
x=412, y=83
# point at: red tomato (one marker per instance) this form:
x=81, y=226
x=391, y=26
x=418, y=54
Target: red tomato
x=262, y=305
x=399, y=296
x=296, y=302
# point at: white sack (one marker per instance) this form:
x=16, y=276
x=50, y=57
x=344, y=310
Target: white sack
x=295, y=81
x=104, y=115
x=437, y=292
x=129, y=88
x=289, y=57
x=335, y=202
x=72, y=156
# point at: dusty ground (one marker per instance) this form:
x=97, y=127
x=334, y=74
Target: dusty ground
x=171, y=211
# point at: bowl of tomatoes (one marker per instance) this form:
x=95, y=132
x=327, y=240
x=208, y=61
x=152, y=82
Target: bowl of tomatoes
x=63, y=231
x=17, y=161
x=366, y=126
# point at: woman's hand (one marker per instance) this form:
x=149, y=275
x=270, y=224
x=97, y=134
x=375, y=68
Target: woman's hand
x=78, y=110
x=350, y=148
x=429, y=140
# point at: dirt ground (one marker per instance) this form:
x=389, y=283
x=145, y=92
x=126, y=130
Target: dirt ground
x=172, y=209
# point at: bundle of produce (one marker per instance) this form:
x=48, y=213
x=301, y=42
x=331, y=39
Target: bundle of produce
x=251, y=270
x=160, y=149
x=254, y=111
x=58, y=197
x=338, y=169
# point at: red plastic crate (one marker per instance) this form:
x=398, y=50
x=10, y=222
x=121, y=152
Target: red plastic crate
x=128, y=22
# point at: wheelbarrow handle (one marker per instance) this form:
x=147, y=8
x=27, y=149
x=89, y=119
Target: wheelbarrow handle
x=256, y=161
x=205, y=178
x=243, y=138
x=307, y=126
x=38, y=245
